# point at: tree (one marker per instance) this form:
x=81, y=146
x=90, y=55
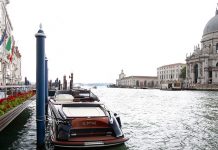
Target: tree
x=183, y=73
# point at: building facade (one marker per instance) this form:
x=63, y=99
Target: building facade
x=10, y=57
x=202, y=64
x=136, y=81
x=169, y=75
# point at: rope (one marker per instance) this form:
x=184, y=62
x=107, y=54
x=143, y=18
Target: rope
x=47, y=118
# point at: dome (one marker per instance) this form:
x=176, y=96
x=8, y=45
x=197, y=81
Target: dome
x=212, y=25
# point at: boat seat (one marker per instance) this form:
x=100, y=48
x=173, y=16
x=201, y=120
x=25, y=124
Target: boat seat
x=64, y=98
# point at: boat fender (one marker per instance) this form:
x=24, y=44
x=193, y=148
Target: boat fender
x=118, y=119
x=111, y=118
x=63, y=131
x=116, y=127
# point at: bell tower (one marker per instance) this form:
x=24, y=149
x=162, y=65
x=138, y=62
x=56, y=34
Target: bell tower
x=122, y=75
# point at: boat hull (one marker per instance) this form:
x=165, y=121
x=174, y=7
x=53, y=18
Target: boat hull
x=89, y=142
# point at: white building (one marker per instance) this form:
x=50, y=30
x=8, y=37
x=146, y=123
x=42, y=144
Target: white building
x=136, y=81
x=10, y=57
x=168, y=75
x=202, y=64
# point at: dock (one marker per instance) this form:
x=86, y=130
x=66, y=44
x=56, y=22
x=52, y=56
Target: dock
x=202, y=87
x=7, y=118
x=14, y=104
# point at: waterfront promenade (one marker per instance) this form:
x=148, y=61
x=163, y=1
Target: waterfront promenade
x=203, y=87
x=14, y=99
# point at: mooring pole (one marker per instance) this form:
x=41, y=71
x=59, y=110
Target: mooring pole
x=40, y=87
x=46, y=86
x=72, y=80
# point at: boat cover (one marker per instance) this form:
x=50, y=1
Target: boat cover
x=83, y=111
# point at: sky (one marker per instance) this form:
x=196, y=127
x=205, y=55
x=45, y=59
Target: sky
x=96, y=39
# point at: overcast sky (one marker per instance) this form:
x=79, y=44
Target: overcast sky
x=95, y=39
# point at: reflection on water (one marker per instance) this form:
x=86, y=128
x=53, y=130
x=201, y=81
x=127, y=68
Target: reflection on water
x=152, y=119
x=21, y=133
x=118, y=147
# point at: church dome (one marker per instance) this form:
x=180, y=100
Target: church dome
x=212, y=25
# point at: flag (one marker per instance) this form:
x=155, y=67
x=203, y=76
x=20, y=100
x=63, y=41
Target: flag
x=8, y=45
x=3, y=37
x=12, y=53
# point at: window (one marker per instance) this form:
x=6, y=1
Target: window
x=216, y=47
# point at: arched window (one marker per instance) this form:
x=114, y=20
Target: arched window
x=216, y=64
x=137, y=83
x=195, y=73
x=152, y=83
x=216, y=47
x=145, y=83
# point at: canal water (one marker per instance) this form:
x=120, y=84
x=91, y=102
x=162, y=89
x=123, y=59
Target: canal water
x=151, y=119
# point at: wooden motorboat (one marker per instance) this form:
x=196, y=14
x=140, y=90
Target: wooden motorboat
x=83, y=122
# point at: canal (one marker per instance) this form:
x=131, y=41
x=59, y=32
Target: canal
x=152, y=119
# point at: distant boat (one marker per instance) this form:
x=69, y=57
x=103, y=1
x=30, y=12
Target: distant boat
x=94, y=87
x=77, y=87
x=112, y=86
x=79, y=120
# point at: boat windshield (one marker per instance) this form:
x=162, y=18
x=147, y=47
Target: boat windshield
x=84, y=94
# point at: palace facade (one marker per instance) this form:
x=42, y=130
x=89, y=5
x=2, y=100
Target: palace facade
x=10, y=57
x=169, y=75
x=136, y=81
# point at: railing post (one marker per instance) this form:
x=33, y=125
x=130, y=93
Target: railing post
x=40, y=87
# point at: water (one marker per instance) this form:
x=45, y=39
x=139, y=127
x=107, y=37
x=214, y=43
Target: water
x=152, y=119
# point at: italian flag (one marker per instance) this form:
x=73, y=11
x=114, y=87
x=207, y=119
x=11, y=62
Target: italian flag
x=12, y=52
x=8, y=44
